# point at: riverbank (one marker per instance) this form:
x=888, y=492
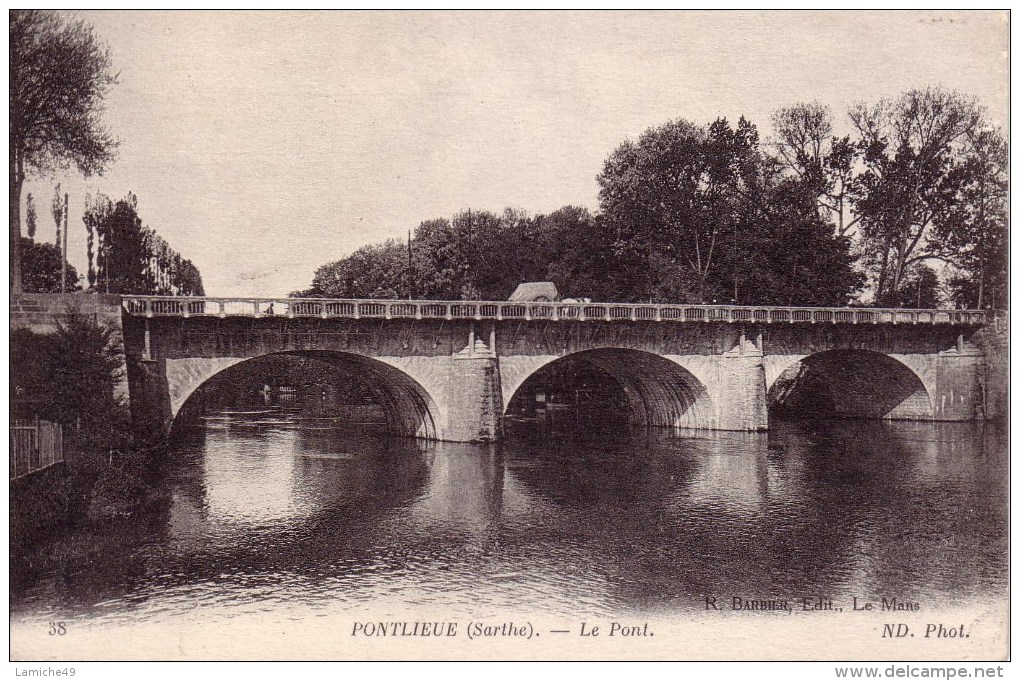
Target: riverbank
x=89, y=489
x=80, y=519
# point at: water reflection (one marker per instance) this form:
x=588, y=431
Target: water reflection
x=272, y=507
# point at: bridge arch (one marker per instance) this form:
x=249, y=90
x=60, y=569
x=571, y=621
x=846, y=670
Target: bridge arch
x=851, y=383
x=409, y=408
x=659, y=392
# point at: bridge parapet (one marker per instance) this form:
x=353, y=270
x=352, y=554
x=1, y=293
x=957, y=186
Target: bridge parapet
x=171, y=306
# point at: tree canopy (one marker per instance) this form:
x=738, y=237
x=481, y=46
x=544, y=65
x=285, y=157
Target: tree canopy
x=473, y=255
x=824, y=164
x=708, y=213
x=921, y=185
x=915, y=170
x=702, y=214
x=40, y=268
x=127, y=257
x=59, y=75
x=972, y=236
x=689, y=214
x=70, y=373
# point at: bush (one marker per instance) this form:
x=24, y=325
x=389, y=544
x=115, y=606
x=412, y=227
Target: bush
x=69, y=377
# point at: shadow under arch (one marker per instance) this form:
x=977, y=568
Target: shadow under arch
x=658, y=392
x=850, y=384
x=409, y=409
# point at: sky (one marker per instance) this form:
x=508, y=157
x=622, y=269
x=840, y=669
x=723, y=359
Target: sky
x=264, y=144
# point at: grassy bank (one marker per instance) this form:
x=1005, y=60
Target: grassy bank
x=92, y=488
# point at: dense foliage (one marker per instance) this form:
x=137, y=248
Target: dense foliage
x=70, y=377
x=916, y=157
x=40, y=268
x=909, y=211
x=479, y=255
x=126, y=257
x=701, y=214
x=688, y=214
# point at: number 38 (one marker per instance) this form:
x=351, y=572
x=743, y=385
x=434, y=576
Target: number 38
x=58, y=628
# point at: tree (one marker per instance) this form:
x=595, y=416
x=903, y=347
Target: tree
x=473, y=255
x=95, y=212
x=575, y=251
x=500, y=253
x=70, y=375
x=132, y=258
x=40, y=268
x=973, y=234
x=448, y=254
x=665, y=194
x=57, y=211
x=122, y=253
x=478, y=254
x=797, y=258
x=375, y=271
x=919, y=288
x=702, y=215
x=914, y=172
x=59, y=75
x=823, y=163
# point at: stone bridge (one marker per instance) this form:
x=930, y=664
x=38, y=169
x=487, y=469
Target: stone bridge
x=450, y=370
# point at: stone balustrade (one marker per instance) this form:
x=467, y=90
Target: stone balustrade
x=167, y=306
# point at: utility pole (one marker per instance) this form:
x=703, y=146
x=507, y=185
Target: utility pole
x=63, y=251
x=470, y=250
x=106, y=261
x=410, y=293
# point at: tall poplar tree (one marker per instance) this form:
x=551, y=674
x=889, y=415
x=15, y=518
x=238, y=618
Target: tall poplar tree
x=59, y=75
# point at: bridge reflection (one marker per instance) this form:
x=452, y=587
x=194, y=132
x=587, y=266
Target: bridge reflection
x=281, y=512
x=845, y=509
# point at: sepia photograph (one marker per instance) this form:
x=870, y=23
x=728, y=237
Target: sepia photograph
x=487, y=335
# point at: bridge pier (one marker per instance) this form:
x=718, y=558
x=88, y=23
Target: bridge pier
x=742, y=398
x=151, y=410
x=959, y=384
x=474, y=398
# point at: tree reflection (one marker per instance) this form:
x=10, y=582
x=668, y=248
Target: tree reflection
x=814, y=508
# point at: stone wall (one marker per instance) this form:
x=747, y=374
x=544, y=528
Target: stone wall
x=41, y=312
x=742, y=400
x=993, y=341
x=958, y=395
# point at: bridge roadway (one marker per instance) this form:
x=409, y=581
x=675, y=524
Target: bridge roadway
x=452, y=370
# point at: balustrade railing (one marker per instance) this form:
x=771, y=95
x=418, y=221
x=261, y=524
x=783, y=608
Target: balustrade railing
x=163, y=306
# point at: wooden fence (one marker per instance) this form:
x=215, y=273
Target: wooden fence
x=35, y=445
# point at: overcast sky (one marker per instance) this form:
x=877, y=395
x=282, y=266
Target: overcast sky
x=262, y=145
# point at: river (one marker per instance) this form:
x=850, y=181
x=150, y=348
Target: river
x=272, y=509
